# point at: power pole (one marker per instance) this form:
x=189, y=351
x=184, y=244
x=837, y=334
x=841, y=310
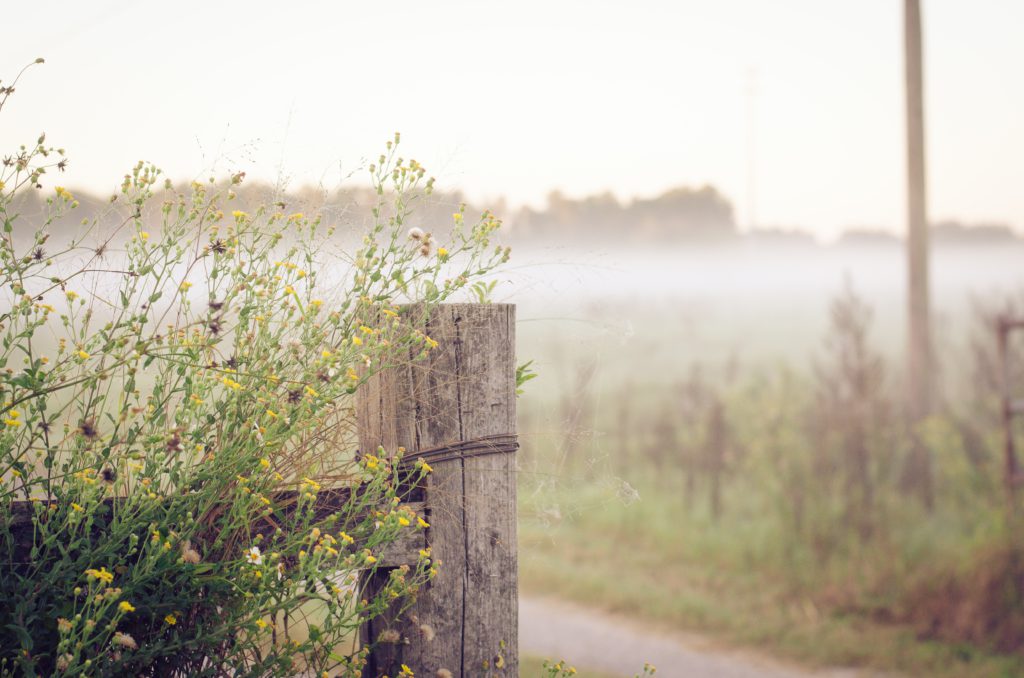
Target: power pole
x=919, y=353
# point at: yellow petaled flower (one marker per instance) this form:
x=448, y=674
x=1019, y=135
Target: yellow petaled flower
x=325, y=354
x=316, y=303
x=442, y=252
x=265, y=463
x=272, y=414
x=422, y=523
x=71, y=295
x=143, y=235
x=100, y=575
x=125, y=606
x=296, y=217
x=239, y=214
x=76, y=507
x=83, y=355
x=230, y=383
x=185, y=285
x=261, y=623
x=171, y=619
x=403, y=521
x=345, y=538
x=371, y=560
x=365, y=330
x=311, y=391
x=406, y=672
x=12, y=422
x=288, y=289
x=427, y=468
x=357, y=341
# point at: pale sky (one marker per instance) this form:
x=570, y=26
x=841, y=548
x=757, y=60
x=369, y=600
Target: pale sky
x=519, y=98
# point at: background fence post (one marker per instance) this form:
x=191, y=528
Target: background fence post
x=466, y=619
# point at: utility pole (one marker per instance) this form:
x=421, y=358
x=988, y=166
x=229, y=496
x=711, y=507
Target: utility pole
x=919, y=353
x=751, y=149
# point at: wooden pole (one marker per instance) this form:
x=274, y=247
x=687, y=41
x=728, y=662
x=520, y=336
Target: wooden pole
x=465, y=620
x=919, y=353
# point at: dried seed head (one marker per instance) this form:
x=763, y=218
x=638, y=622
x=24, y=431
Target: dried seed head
x=87, y=429
x=189, y=554
x=125, y=640
x=390, y=636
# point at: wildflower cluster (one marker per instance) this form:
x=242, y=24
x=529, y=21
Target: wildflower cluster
x=176, y=384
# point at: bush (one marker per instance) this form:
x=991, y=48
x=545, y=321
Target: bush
x=176, y=397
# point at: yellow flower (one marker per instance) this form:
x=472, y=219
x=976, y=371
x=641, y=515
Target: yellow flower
x=345, y=538
x=442, y=252
x=325, y=354
x=143, y=236
x=171, y=620
x=422, y=523
x=239, y=214
x=403, y=521
x=261, y=623
x=370, y=560
x=185, y=285
x=356, y=341
x=12, y=422
x=316, y=303
x=230, y=383
x=427, y=468
x=83, y=355
x=265, y=463
x=311, y=391
x=288, y=289
x=125, y=606
x=71, y=295
x=76, y=507
x=100, y=575
x=272, y=414
x=296, y=217
x=406, y=672
x=365, y=330
x=457, y=217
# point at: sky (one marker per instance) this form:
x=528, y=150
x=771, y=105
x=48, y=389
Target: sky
x=792, y=108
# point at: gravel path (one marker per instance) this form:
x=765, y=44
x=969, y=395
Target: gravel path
x=603, y=642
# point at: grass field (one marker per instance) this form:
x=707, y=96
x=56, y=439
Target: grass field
x=651, y=560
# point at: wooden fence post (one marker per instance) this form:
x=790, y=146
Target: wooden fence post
x=465, y=620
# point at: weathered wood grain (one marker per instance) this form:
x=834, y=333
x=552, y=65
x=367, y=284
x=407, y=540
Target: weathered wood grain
x=463, y=390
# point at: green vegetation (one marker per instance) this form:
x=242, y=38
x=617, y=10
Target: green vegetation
x=782, y=508
x=176, y=412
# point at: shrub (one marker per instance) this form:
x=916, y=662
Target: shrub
x=176, y=397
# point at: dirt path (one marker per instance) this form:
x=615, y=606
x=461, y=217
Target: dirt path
x=603, y=642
